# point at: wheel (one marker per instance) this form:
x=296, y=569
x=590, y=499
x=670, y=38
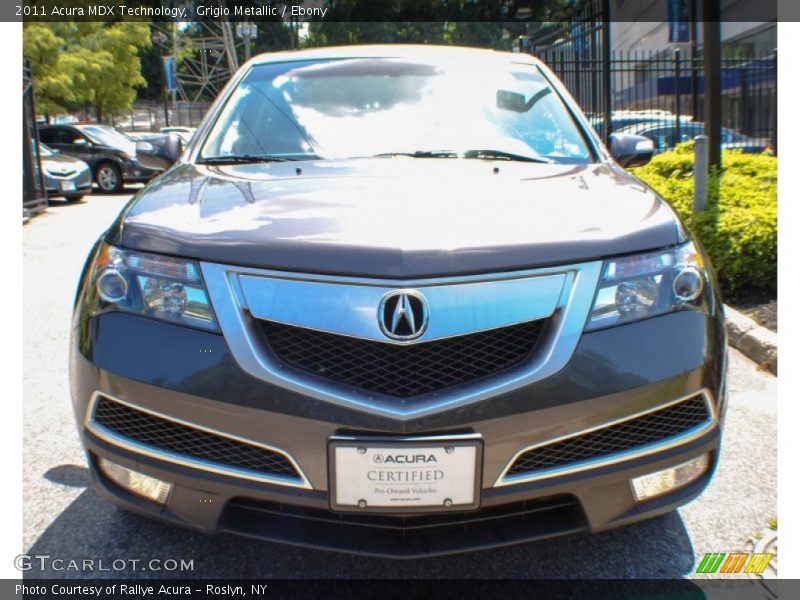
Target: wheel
x=74, y=198
x=108, y=178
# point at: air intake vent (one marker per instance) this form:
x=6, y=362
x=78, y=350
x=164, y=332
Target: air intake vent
x=162, y=434
x=653, y=427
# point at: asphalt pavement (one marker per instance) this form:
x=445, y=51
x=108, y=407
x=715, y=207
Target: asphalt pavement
x=65, y=519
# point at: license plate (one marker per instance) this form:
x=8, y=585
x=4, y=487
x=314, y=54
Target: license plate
x=68, y=186
x=405, y=476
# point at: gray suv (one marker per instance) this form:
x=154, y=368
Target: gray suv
x=399, y=301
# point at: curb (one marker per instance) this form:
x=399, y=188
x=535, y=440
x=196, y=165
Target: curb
x=751, y=339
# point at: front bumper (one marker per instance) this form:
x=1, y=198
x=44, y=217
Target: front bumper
x=82, y=183
x=191, y=376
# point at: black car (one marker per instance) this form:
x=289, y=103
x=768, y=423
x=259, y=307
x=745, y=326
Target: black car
x=112, y=155
x=401, y=301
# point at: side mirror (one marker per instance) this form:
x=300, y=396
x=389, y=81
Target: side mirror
x=145, y=147
x=81, y=142
x=631, y=150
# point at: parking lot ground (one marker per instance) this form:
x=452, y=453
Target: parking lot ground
x=66, y=519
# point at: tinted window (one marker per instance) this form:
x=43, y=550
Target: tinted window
x=49, y=136
x=70, y=136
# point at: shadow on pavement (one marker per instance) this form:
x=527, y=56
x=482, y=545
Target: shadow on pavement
x=71, y=475
x=93, y=528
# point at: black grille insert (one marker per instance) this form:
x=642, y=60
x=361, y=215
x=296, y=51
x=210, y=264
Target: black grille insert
x=402, y=370
x=405, y=536
x=656, y=426
x=163, y=434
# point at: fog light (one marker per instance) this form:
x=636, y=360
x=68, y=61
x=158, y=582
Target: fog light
x=138, y=483
x=661, y=482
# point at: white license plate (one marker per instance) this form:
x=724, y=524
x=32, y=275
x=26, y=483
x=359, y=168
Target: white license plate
x=405, y=477
x=68, y=186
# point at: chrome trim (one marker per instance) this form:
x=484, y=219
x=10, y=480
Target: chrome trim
x=352, y=308
x=434, y=439
x=401, y=310
x=577, y=284
x=116, y=439
x=616, y=457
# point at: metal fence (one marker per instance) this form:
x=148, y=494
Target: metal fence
x=152, y=115
x=34, y=194
x=666, y=89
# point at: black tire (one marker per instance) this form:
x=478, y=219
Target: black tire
x=108, y=177
x=74, y=198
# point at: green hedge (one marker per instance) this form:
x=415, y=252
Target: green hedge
x=739, y=226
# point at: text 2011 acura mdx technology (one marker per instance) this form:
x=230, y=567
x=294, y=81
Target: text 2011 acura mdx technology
x=399, y=301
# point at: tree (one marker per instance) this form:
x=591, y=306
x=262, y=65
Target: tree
x=93, y=63
x=52, y=83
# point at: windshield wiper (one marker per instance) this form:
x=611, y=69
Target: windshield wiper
x=244, y=159
x=502, y=154
x=487, y=154
x=420, y=154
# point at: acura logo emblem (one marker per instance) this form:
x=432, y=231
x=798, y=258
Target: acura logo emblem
x=403, y=315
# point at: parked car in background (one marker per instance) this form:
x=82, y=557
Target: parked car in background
x=185, y=133
x=166, y=146
x=401, y=301
x=626, y=118
x=64, y=119
x=666, y=136
x=112, y=156
x=64, y=175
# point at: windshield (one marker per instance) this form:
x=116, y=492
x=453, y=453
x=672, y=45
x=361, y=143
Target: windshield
x=382, y=106
x=43, y=149
x=107, y=136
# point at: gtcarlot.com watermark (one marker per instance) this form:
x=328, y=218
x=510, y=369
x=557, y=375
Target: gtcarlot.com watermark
x=45, y=562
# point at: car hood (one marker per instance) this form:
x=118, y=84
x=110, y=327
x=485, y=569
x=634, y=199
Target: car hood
x=61, y=163
x=397, y=217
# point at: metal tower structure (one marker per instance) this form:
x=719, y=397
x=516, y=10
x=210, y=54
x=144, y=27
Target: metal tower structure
x=206, y=52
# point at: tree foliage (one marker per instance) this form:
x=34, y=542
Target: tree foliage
x=85, y=63
x=482, y=23
x=739, y=226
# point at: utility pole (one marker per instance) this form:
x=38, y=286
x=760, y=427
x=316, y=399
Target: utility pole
x=693, y=57
x=712, y=73
x=175, y=58
x=607, y=92
x=247, y=32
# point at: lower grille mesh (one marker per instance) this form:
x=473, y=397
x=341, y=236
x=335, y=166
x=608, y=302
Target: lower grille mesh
x=656, y=426
x=163, y=434
x=405, y=536
x=402, y=370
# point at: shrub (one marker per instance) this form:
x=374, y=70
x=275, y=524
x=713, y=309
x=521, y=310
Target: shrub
x=739, y=226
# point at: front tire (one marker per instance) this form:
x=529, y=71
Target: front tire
x=108, y=178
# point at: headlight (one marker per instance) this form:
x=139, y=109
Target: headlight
x=646, y=285
x=160, y=287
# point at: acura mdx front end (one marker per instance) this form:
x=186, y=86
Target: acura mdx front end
x=399, y=301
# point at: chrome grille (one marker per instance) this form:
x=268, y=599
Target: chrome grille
x=170, y=436
x=657, y=426
x=402, y=370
